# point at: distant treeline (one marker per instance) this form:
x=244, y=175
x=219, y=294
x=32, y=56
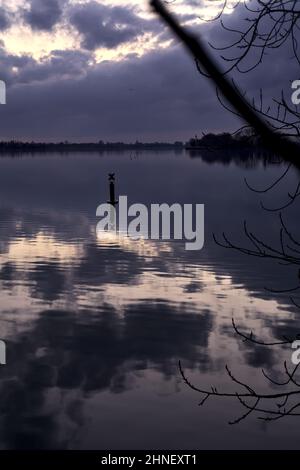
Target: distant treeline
x=224, y=141
x=15, y=146
x=244, y=148
x=244, y=139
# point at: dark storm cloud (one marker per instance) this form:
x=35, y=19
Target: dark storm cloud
x=106, y=26
x=60, y=64
x=9, y=63
x=44, y=14
x=5, y=19
x=157, y=96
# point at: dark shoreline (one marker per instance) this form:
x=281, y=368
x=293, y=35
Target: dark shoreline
x=24, y=147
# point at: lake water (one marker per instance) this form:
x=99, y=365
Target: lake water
x=95, y=326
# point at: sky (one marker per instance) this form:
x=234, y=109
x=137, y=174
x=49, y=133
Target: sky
x=82, y=70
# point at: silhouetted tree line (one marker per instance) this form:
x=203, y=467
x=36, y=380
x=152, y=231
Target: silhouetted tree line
x=244, y=148
x=242, y=140
x=16, y=146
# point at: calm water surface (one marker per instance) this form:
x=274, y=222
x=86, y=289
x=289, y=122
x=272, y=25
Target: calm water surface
x=95, y=326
